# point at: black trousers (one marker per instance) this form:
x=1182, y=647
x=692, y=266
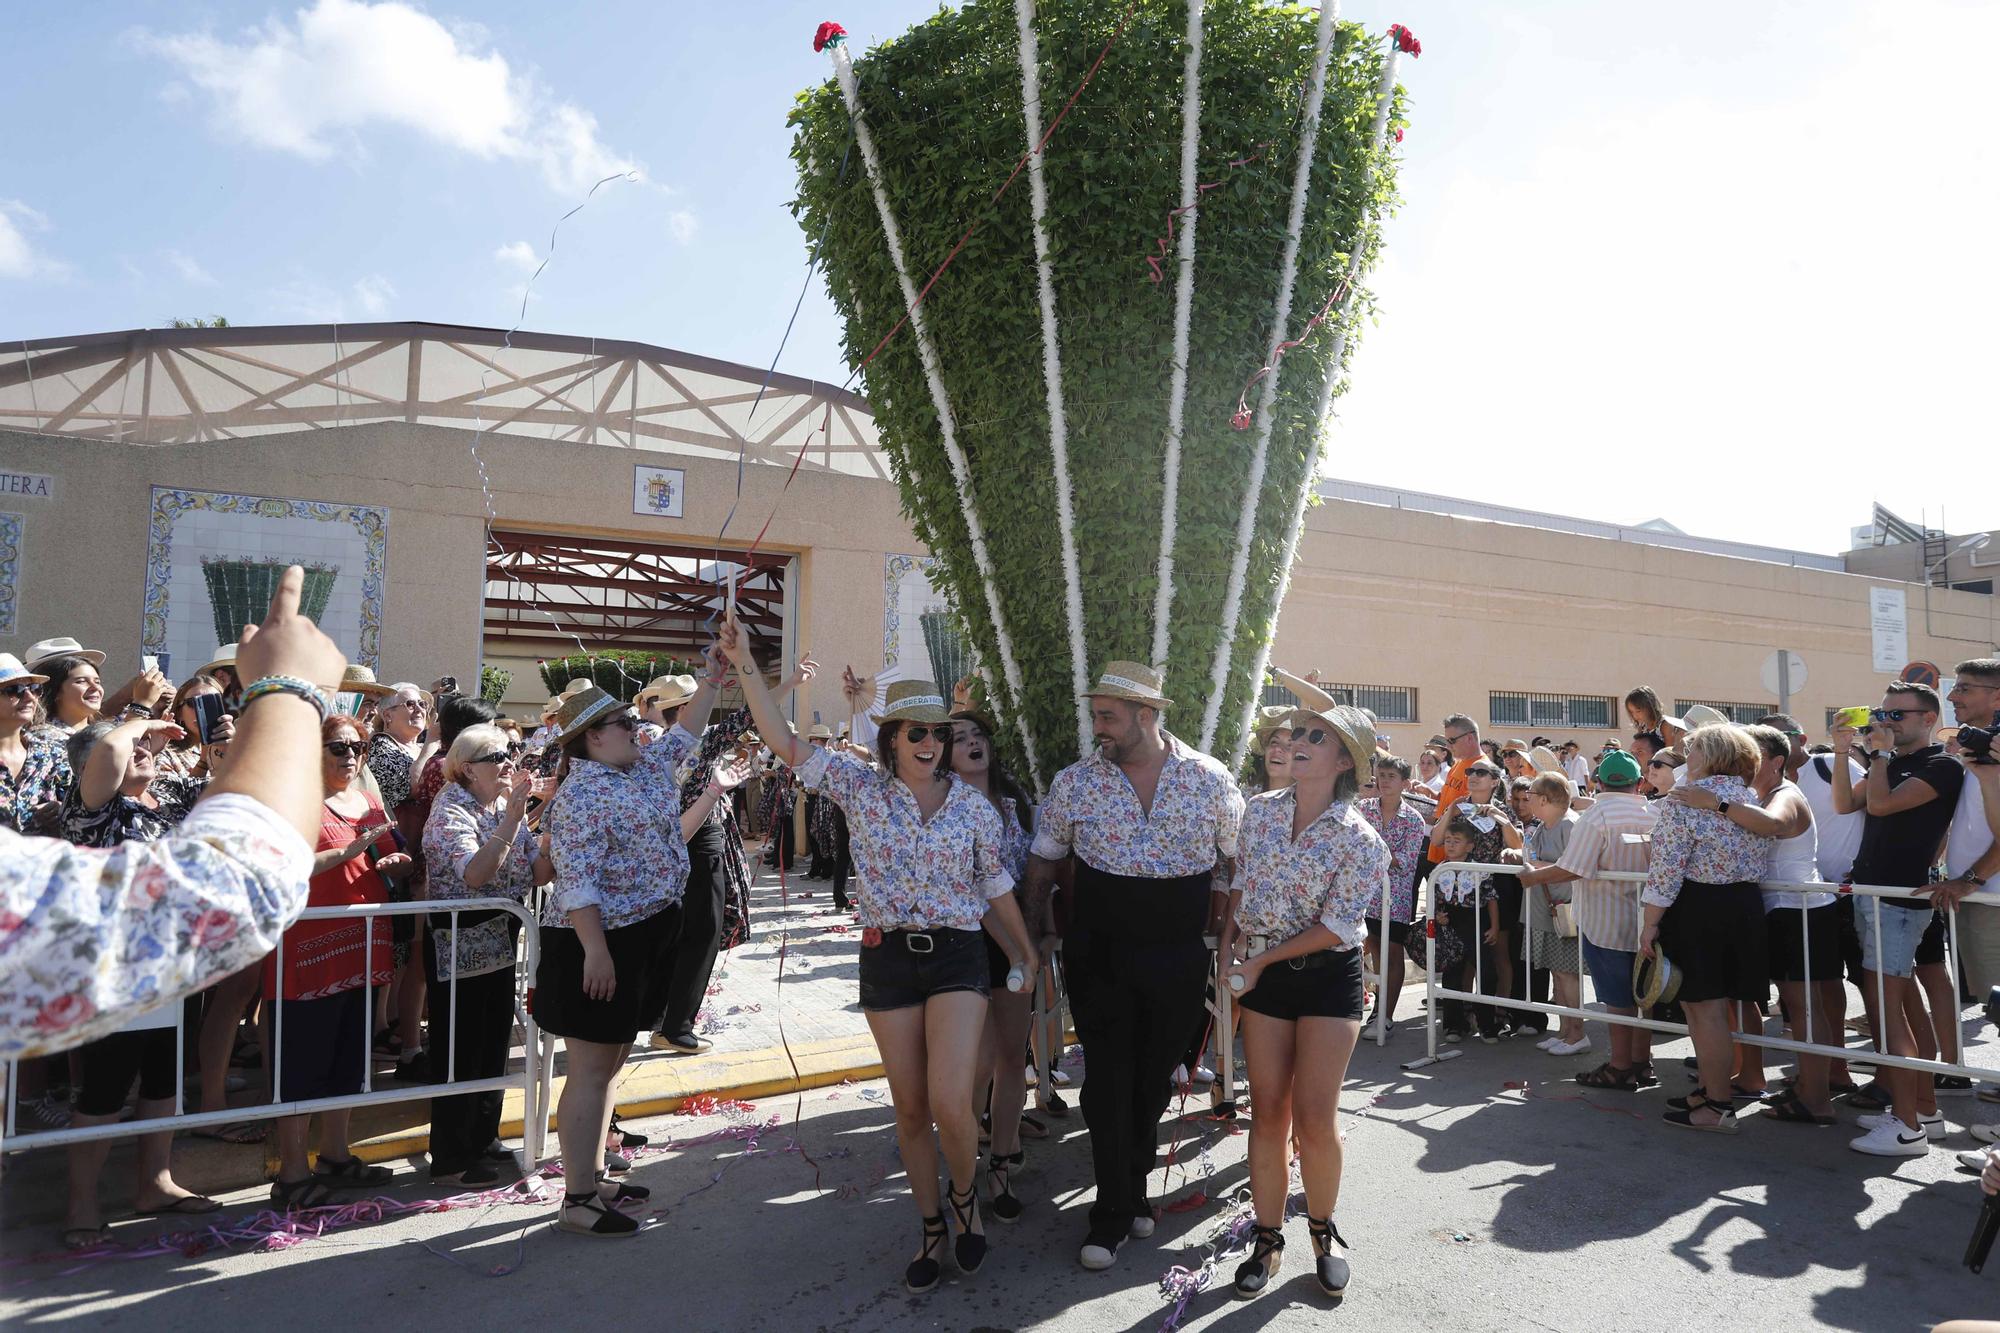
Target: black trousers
x=843, y=859
x=1136, y=966
x=462, y=1126
x=691, y=960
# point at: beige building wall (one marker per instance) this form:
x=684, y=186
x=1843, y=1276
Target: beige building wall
x=1453, y=607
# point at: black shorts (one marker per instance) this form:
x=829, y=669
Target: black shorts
x=111, y=1063
x=894, y=975
x=1813, y=955
x=324, y=1044
x=1714, y=933
x=998, y=965
x=561, y=1007
x=1399, y=931
x=1930, y=949
x=1328, y=987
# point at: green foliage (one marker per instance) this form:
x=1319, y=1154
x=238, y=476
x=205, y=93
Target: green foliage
x=212, y=322
x=493, y=683
x=944, y=104
x=619, y=672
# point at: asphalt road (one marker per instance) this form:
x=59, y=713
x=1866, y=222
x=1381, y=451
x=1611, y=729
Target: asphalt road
x=1467, y=1204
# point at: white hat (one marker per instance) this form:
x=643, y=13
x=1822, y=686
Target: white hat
x=48, y=650
x=13, y=673
x=1701, y=715
x=225, y=656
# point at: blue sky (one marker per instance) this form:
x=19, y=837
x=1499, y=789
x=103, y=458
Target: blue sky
x=1729, y=264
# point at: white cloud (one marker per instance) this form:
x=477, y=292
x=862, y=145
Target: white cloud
x=189, y=268
x=312, y=87
x=518, y=254
x=374, y=293
x=19, y=256
x=311, y=301
x=681, y=224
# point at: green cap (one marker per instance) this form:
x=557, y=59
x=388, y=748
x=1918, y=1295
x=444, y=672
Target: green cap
x=1618, y=769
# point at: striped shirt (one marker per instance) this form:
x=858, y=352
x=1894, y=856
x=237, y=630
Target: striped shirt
x=1607, y=911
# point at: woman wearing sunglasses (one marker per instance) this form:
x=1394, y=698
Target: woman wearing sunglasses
x=1662, y=772
x=477, y=844
x=20, y=690
x=327, y=969
x=1309, y=867
x=932, y=875
x=621, y=866
x=396, y=756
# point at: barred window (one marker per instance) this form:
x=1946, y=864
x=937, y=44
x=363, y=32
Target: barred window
x=1389, y=703
x=1742, y=714
x=1508, y=708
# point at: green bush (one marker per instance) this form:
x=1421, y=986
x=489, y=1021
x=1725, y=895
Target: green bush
x=493, y=683
x=619, y=672
x=944, y=104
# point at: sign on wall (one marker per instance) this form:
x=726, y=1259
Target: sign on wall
x=31, y=484
x=658, y=492
x=1888, y=627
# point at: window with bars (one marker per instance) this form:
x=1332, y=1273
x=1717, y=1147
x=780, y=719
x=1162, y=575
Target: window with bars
x=1508, y=708
x=1389, y=703
x=1743, y=714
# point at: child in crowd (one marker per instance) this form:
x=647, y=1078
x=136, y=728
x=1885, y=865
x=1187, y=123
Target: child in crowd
x=1455, y=897
x=1548, y=801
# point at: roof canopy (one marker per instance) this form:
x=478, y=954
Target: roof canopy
x=171, y=386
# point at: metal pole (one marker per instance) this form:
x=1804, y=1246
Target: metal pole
x=1784, y=680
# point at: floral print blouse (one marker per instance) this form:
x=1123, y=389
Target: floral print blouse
x=616, y=836
x=1406, y=836
x=458, y=827
x=89, y=939
x=394, y=768
x=1333, y=874
x=21, y=792
x=123, y=819
x=1703, y=845
x=913, y=874
x=1092, y=809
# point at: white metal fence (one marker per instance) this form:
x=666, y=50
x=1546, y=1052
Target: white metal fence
x=533, y=1079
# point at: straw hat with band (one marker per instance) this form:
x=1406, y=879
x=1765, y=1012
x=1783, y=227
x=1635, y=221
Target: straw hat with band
x=1517, y=744
x=1271, y=718
x=41, y=654
x=1655, y=980
x=360, y=680
x=978, y=717
x=577, y=684
x=820, y=732
x=1356, y=733
x=584, y=710
x=554, y=703
x=1134, y=682
x=1544, y=760
x=912, y=701
x=13, y=673
x=667, y=691
x=225, y=656
x=1701, y=715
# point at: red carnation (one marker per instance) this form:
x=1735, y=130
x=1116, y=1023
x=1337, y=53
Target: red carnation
x=828, y=34
x=1399, y=136
x=1406, y=40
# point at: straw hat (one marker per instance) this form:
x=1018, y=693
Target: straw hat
x=1132, y=681
x=1516, y=744
x=549, y=708
x=978, y=717
x=583, y=710
x=912, y=701
x=1270, y=718
x=1544, y=760
x=225, y=656
x=669, y=691
x=820, y=732
x=13, y=673
x=359, y=679
x=1676, y=724
x=1701, y=715
x=48, y=650
x=577, y=685
x=1356, y=732
x=1655, y=980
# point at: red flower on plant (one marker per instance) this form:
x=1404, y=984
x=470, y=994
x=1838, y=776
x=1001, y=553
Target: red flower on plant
x=829, y=34
x=1406, y=41
x=1399, y=136
x=65, y=1011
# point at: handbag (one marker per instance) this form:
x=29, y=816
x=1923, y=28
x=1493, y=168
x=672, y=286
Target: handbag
x=486, y=946
x=1565, y=914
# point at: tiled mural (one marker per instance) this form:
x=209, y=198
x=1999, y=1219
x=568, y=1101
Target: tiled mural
x=211, y=554
x=10, y=568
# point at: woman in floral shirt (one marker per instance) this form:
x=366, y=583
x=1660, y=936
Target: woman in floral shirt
x=477, y=844
x=1703, y=909
x=621, y=867
x=1402, y=829
x=1308, y=869
x=396, y=759
x=20, y=691
x=927, y=848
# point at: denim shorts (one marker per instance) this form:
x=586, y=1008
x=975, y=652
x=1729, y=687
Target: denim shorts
x=1894, y=953
x=1611, y=974
x=896, y=975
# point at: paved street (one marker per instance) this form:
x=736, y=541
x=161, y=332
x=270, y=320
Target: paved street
x=821, y=994
x=1468, y=1203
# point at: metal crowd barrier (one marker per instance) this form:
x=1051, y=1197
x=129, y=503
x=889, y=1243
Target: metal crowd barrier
x=533, y=1079
x=1874, y=893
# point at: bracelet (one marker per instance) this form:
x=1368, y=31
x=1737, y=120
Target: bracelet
x=257, y=689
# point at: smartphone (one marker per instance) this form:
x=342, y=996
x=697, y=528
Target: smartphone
x=1853, y=717
x=148, y=662
x=208, y=710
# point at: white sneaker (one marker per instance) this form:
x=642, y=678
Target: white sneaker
x=1974, y=1159
x=1097, y=1258
x=1059, y=1078
x=1892, y=1140
x=1203, y=1074
x=1547, y=1042
x=1985, y=1133
x=1577, y=1047
x=1142, y=1227
x=1932, y=1125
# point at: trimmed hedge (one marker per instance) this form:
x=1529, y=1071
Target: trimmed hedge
x=619, y=672
x=944, y=104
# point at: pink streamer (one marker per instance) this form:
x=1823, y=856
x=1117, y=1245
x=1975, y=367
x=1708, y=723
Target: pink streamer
x=1153, y=261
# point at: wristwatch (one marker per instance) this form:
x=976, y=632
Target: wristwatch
x=1976, y=881
x=1722, y=807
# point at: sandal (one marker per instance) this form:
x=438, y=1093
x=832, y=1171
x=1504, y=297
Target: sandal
x=1608, y=1075
x=970, y=1247
x=1791, y=1109
x=621, y=1191
x=1033, y=1128
x=293, y=1196
x=628, y=1138
x=1253, y=1275
x=924, y=1271
x=1006, y=1207
x=188, y=1205
x=587, y=1215
x=352, y=1173
x=1329, y=1255
x=1725, y=1112
x=1054, y=1105
x=86, y=1238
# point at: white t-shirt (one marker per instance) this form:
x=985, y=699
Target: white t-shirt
x=1839, y=835
x=1578, y=770
x=1970, y=834
x=1794, y=861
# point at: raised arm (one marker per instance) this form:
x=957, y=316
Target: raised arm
x=104, y=773
x=771, y=724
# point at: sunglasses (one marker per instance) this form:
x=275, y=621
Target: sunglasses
x=414, y=705
x=624, y=720
x=1310, y=735
x=1894, y=714
x=1658, y=763
x=26, y=689
x=497, y=757
x=918, y=733
x=346, y=749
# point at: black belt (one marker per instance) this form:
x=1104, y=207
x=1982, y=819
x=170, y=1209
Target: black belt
x=922, y=941
x=1305, y=962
